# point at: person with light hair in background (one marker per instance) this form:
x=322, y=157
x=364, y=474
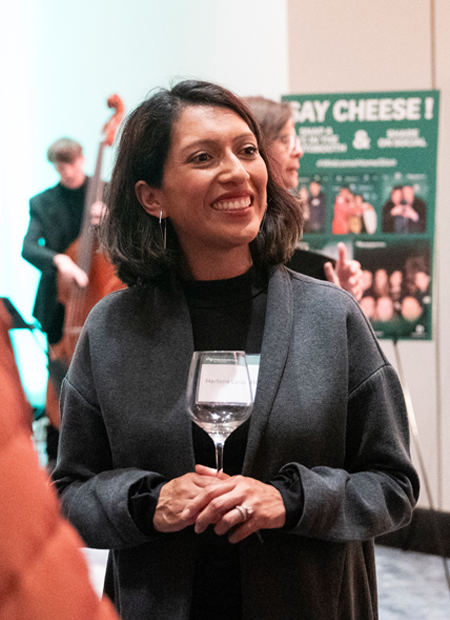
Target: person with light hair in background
x=56, y=217
x=285, y=151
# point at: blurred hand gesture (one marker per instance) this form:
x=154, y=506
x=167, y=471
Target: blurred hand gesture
x=348, y=273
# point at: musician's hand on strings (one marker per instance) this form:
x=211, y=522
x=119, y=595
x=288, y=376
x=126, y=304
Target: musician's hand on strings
x=69, y=272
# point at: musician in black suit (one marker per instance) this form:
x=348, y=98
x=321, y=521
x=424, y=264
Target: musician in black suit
x=55, y=222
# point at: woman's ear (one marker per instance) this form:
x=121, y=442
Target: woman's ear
x=150, y=199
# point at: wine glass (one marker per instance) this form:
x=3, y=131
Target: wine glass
x=219, y=395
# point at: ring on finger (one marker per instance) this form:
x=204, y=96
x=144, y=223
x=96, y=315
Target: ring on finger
x=246, y=511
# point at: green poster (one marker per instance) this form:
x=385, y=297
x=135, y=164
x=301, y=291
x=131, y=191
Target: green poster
x=368, y=178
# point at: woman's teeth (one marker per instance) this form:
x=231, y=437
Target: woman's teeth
x=232, y=205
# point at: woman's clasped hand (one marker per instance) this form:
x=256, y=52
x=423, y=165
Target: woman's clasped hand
x=215, y=503
x=208, y=498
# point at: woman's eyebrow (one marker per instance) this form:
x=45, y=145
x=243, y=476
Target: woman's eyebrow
x=212, y=141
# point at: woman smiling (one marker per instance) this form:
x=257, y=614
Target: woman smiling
x=213, y=191
x=199, y=230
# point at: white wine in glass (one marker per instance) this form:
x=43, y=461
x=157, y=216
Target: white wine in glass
x=219, y=395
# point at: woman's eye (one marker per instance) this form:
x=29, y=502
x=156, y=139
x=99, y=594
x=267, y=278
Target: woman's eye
x=285, y=140
x=201, y=158
x=251, y=150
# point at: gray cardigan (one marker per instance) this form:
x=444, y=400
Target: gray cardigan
x=327, y=400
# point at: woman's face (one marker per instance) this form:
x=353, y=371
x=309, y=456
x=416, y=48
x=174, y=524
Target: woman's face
x=367, y=279
x=285, y=152
x=384, y=309
x=381, y=278
x=368, y=306
x=303, y=193
x=214, y=184
x=395, y=279
x=396, y=196
x=72, y=175
x=411, y=309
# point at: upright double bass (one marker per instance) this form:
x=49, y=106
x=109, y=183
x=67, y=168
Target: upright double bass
x=84, y=251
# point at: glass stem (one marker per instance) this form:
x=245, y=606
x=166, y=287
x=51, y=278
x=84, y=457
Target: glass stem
x=219, y=455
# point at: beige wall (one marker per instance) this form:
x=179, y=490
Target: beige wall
x=370, y=45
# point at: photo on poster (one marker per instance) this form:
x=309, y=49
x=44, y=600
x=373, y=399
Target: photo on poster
x=405, y=198
x=312, y=194
x=397, y=287
x=354, y=197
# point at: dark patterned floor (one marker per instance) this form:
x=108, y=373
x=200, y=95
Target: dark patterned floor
x=411, y=586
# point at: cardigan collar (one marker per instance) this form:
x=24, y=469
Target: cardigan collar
x=274, y=353
x=178, y=342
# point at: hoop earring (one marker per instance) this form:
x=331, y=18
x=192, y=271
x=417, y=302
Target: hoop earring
x=163, y=233
x=263, y=221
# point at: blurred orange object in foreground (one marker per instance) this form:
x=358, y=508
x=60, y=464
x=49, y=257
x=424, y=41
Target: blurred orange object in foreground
x=43, y=573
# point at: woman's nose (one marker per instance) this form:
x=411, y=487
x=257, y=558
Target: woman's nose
x=233, y=170
x=297, y=150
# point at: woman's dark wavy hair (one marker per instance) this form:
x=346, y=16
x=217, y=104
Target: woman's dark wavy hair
x=131, y=237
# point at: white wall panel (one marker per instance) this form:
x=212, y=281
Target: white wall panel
x=61, y=61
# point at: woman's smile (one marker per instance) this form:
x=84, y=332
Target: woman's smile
x=233, y=204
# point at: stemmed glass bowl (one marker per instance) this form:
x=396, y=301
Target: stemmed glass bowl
x=219, y=395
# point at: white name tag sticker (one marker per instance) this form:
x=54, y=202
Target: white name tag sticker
x=253, y=371
x=223, y=383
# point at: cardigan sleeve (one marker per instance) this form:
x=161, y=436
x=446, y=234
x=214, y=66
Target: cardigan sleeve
x=372, y=497
x=94, y=495
x=378, y=487
x=352, y=479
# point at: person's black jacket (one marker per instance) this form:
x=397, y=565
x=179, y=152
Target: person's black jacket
x=55, y=222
